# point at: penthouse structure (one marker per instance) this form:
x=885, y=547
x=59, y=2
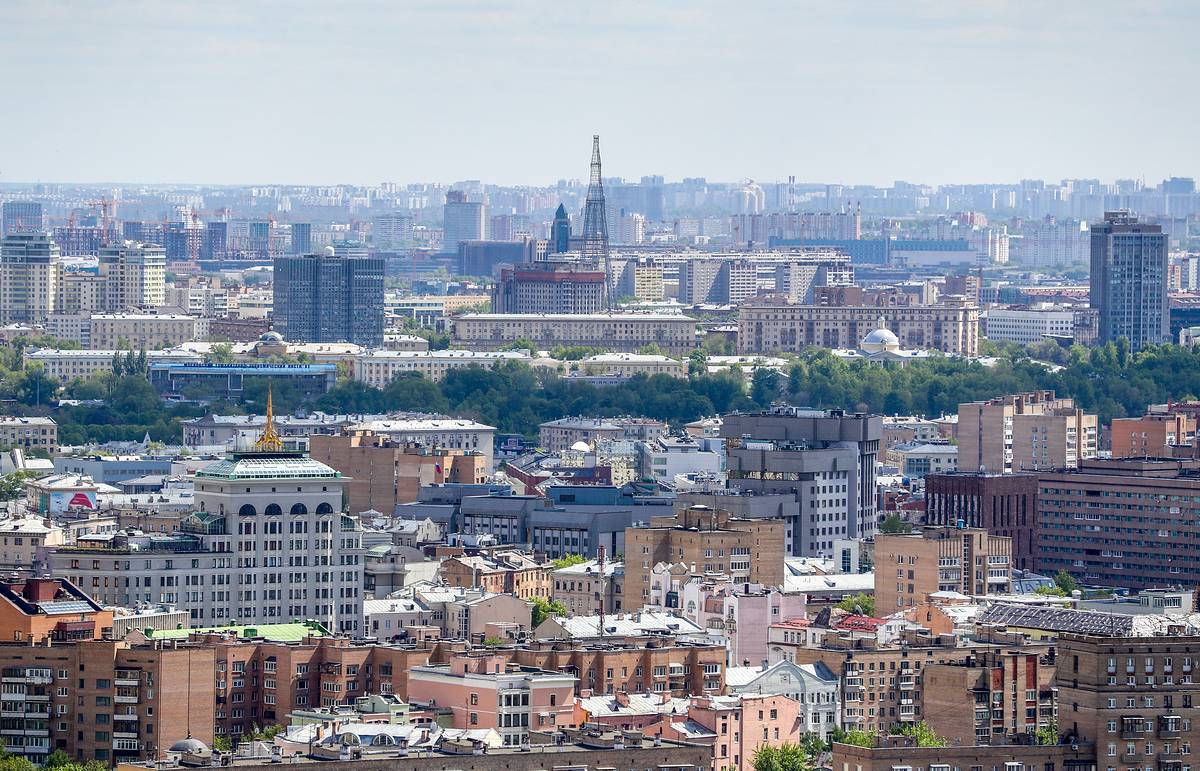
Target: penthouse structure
x=951, y=327
x=614, y=331
x=1121, y=522
x=910, y=567
x=823, y=460
x=1024, y=432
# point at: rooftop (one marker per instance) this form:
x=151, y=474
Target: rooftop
x=274, y=465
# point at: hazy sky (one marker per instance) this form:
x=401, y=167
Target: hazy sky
x=511, y=92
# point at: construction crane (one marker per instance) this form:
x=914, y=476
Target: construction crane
x=108, y=208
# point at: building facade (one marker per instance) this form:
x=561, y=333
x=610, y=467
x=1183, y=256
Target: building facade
x=909, y=567
x=1128, y=280
x=1024, y=432
x=29, y=276
x=1002, y=504
x=613, y=331
x=326, y=298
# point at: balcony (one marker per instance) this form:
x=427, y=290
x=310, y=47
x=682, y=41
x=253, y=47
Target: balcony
x=1131, y=759
x=120, y=716
x=1170, y=726
x=128, y=682
x=125, y=734
x=125, y=699
x=906, y=683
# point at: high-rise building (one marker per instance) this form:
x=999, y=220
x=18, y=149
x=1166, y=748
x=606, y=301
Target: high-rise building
x=1024, y=432
x=824, y=460
x=216, y=240
x=135, y=275
x=183, y=241
x=560, y=232
x=462, y=220
x=325, y=298
x=22, y=217
x=260, y=240
x=909, y=567
x=1129, y=280
x=550, y=287
x=595, y=219
x=29, y=273
x=301, y=238
x=717, y=281
x=392, y=232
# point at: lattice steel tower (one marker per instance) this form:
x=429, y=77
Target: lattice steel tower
x=595, y=221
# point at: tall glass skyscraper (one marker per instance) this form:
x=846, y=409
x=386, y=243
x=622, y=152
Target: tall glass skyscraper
x=327, y=298
x=1129, y=280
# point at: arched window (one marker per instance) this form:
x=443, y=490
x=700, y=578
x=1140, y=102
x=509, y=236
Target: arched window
x=273, y=510
x=247, y=511
x=324, y=508
x=299, y=510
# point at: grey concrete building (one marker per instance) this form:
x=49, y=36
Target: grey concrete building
x=824, y=459
x=1129, y=280
x=326, y=298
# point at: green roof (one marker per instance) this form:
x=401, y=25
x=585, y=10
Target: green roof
x=271, y=632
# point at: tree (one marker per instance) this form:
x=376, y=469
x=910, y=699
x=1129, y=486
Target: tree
x=543, y=609
x=520, y=344
x=492, y=642
x=1047, y=735
x=221, y=353
x=12, y=486
x=651, y=349
x=785, y=757
x=859, y=603
x=1065, y=581
x=764, y=386
x=893, y=524
x=1049, y=591
x=856, y=737
x=222, y=744
x=921, y=734
x=568, y=560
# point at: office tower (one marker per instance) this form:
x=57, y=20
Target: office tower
x=216, y=240
x=824, y=461
x=912, y=566
x=392, y=232
x=301, y=238
x=595, y=222
x=135, y=275
x=325, y=298
x=550, y=287
x=1129, y=280
x=29, y=272
x=462, y=220
x=1024, y=432
x=22, y=217
x=560, y=232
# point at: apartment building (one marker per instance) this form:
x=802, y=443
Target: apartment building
x=628, y=332
x=764, y=326
x=909, y=567
x=135, y=275
x=630, y=364
x=1010, y=692
x=717, y=281
x=29, y=433
x=40, y=610
x=1029, y=325
x=104, y=700
x=560, y=435
x=823, y=460
x=1153, y=436
x=813, y=687
x=900, y=753
x=547, y=286
x=490, y=691
x=267, y=542
x=434, y=431
x=881, y=687
x=499, y=572
x=639, y=278
x=1122, y=522
x=590, y=587
x=1133, y=697
x=707, y=541
x=379, y=368
x=144, y=330
x=1024, y=432
x=1002, y=504
x=29, y=274
x=382, y=473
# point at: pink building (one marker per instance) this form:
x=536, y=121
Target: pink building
x=485, y=691
x=744, y=723
x=740, y=613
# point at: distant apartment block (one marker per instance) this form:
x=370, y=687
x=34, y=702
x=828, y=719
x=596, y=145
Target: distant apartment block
x=1024, y=432
x=910, y=567
x=1002, y=504
x=550, y=287
x=1129, y=280
x=614, y=331
x=33, y=433
x=378, y=368
x=329, y=298
x=1153, y=436
x=29, y=276
x=764, y=326
x=717, y=281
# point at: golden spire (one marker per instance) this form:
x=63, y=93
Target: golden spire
x=269, y=440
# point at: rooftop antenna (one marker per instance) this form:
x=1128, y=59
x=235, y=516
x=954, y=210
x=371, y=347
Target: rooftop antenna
x=600, y=562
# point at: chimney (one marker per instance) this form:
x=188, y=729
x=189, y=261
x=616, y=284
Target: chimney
x=622, y=698
x=40, y=589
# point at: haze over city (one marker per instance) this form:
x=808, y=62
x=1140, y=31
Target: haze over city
x=848, y=92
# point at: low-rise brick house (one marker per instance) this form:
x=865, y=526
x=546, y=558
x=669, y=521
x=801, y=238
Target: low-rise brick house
x=500, y=572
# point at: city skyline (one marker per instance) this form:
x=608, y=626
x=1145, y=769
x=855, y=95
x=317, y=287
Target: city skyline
x=510, y=94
